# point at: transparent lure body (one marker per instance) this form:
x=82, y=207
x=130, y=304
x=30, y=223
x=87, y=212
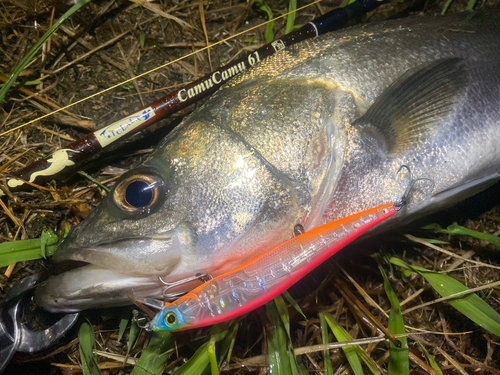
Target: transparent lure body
x=243, y=289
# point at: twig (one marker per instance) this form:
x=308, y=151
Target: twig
x=437, y=248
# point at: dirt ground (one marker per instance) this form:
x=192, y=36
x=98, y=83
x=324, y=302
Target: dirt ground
x=108, y=42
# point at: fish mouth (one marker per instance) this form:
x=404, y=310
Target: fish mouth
x=155, y=255
x=110, y=273
x=92, y=287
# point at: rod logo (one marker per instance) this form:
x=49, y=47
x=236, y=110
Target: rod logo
x=218, y=77
x=121, y=127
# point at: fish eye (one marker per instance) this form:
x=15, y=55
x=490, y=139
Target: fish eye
x=171, y=319
x=138, y=193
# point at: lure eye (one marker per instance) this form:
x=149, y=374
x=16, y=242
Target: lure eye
x=171, y=319
x=138, y=193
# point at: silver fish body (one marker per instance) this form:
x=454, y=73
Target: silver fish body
x=314, y=133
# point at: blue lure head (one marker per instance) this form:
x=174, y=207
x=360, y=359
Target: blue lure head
x=169, y=318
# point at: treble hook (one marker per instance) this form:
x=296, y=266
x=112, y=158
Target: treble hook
x=204, y=277
x=404, y=199
x=141, y=321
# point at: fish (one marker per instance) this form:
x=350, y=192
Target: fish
x=327, y=128
x=257, y=282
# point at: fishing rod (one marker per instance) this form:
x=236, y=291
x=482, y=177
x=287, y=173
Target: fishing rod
x=65, y=162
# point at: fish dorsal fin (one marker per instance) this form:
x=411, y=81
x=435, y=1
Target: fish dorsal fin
x=404, y=114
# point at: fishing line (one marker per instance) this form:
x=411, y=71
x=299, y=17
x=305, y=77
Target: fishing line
x=155, y=69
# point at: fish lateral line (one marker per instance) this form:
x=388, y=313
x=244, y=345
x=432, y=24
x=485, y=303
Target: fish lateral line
x=258, y=281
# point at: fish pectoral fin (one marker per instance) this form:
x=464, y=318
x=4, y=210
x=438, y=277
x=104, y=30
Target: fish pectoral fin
x=411, y=107
x=466, y=189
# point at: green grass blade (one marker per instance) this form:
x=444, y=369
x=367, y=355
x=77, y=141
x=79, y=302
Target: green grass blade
x=294, y=303
x=342, y=336
x=19, y=251
x=205, y=358
x=285, y=319
x=262, y=5
x=434, y=227
x=283, y=313
x=231, y=343
x=431, y=360
x=196, y=364
x=154, y=358
x=123, y=327
x=226, y=344
x=446, y=6
x=290, y=19
x=399, y=360
x=219, y=332
x=27, y=83
x=44, y=241
x=462, y=231
x=31, y=54
x=214, y=366
x=324, y=338
x=369, y=362
x=346, y=2
x=455, y=229
x=277, y=343
x=350, y=351
x=133, y=336
x=434, y=241
x=471, y=305
x=94, y=180
x=471, y=5
x=87, y=346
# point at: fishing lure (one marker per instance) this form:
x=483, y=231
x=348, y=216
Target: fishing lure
x=251, y=285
